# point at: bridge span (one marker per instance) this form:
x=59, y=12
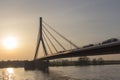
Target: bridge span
x=106, y=49
x=110, y=47
x=44, y=36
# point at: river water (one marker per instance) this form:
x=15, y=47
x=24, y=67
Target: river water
x=103, y=72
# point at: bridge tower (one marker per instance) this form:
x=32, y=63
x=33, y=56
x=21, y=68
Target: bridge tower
x=36, y=63
x=40, y=39
x=40, y=64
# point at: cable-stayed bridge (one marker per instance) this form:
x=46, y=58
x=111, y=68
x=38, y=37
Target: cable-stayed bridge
x=51, y=51
x=44, y=36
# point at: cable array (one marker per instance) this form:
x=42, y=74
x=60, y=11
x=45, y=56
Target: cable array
x=50, y=39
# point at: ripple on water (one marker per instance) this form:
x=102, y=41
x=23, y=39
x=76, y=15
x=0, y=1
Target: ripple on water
x=57, y=76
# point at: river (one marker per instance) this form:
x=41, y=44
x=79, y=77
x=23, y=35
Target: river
x=101, y=72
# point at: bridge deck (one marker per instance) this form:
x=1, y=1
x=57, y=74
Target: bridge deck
x=111, y=48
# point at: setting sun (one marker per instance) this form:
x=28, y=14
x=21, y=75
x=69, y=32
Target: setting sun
x=10, y=42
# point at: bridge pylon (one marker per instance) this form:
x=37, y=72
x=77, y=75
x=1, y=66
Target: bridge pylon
x=40, y=64
x=36, y=63
x=40, y=39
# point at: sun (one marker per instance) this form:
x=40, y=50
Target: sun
x=10, y=42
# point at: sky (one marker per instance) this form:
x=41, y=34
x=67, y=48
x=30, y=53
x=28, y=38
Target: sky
x=82, y=21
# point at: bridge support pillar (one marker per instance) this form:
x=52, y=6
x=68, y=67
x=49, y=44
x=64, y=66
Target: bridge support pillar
x=37, y=65
x=29, y=65
x=42, y=65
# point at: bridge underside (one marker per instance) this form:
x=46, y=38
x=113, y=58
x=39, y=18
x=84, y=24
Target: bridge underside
x=92, y=51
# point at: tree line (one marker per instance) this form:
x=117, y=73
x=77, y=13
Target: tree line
x=83, y=61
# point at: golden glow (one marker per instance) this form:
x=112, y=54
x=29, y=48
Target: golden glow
x=10, y=42
x=10, y=70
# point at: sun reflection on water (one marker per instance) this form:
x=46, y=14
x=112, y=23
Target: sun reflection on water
x=8, y=74
x=10, y=70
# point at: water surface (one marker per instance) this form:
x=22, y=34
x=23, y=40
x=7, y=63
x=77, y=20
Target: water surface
x=106, y=72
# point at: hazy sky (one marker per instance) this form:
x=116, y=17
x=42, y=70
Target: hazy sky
x=81, y=21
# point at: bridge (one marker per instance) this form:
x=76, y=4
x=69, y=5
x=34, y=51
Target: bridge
x=44, y=38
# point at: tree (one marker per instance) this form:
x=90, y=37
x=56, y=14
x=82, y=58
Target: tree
x=84, y=60
x=100, y=60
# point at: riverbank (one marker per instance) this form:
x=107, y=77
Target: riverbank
x=84, y=63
